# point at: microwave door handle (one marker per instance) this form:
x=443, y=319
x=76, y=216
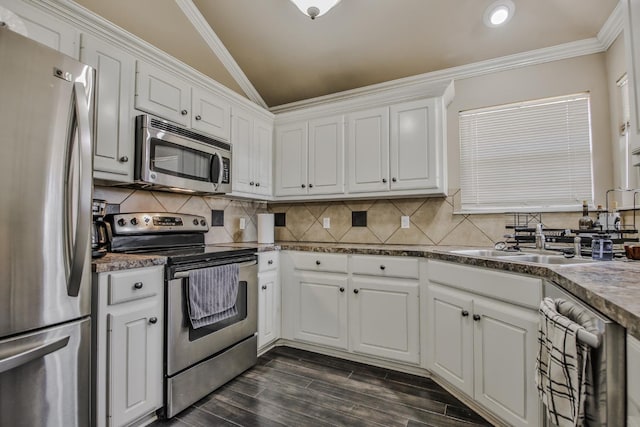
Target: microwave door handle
x=212, y=171
x=77, y=245
x=221, y=172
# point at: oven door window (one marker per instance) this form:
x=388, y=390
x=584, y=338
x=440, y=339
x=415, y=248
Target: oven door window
x=184, y=162
x=241, y=306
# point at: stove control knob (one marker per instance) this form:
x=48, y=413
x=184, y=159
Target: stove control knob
x=134, y=221
x=122, y=222
x=195, y=222
x=203, y=223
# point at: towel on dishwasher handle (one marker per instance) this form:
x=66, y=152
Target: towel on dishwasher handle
x=212, y=294
x=563, y=367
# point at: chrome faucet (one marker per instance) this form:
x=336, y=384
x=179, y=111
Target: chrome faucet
x=540, y=239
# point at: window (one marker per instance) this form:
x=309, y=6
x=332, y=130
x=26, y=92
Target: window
x=529, y=156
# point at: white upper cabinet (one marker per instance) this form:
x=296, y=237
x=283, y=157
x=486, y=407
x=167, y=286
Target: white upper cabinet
x=252, y=141
x=415, y=145
x=326, y=154
x=368, y=150
x=113, y=152
x=162, y=94
x=632, y=42
x=309, y=157
x=291, y=160
x=46, y=29
x=210, y=114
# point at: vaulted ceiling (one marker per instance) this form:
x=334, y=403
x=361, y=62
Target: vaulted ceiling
x=287, y=57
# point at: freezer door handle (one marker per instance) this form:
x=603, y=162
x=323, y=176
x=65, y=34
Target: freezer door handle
x=13, y=361
x=81, y=238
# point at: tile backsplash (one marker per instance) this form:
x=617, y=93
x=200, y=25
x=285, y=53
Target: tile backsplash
x=432, y=220
x=157, y=201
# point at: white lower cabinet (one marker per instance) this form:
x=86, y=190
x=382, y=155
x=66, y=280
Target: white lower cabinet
x=268, y=299
x=321, y=308
x=384, y=318
x=483, y=344
x=128, y=325
x=633, y=386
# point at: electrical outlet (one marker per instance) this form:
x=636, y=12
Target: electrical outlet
x=326, y=222
x=404, y=221
x=243, y=223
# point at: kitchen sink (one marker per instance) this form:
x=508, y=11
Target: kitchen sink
x=487, y=253
x=550, y=259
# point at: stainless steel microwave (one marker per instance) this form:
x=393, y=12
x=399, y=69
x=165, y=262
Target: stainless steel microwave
x=172, y=158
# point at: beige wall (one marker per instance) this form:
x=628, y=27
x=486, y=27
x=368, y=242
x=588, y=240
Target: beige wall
x=582, y=74
x=157, y=201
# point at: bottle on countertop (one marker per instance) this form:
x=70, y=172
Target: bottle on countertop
x=585, y=223
x=601, y=218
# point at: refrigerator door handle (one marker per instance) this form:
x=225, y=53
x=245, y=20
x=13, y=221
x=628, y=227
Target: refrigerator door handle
x=80, y=242
x=15, y=360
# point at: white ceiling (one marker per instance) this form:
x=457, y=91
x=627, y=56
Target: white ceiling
x=287, y=57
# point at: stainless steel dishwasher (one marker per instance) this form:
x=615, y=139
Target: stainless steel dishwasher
x=608, y=361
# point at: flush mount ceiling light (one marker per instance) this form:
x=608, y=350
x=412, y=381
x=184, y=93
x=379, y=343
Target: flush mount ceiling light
x=315, y=8
x=499, y=13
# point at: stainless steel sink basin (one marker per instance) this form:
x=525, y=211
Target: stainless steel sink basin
x=487, y=253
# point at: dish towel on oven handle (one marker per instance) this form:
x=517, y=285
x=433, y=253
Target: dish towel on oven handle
x=212, y=294
x=563, y=367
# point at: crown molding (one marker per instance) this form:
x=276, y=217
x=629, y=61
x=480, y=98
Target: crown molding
x=215, y=44
x=612, y=27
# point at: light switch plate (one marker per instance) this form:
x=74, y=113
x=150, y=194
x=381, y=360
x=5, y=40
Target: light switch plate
x=326, y=222
x=404, y=221
x=243, y=223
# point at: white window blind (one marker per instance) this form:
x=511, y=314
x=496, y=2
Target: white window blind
x=529, y=155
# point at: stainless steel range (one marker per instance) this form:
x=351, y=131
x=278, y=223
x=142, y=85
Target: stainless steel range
x=202, y=358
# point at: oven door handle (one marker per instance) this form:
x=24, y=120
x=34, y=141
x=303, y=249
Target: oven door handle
x=185, y=274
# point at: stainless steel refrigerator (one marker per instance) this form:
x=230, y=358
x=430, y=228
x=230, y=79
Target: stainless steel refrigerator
x=45, y=262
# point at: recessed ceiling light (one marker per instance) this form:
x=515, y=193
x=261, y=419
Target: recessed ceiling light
x=499, y=13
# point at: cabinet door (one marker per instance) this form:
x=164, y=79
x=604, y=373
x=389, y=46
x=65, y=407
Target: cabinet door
x=268, y=312
x=505, y=341
x=162, y=94
x=291, y=160
x=135, y=362
x=210, y=114
x=263, y=159
x=632, y=42
x=321, y=309
x=46, y=29
x=114, y=128
x=633, y=386
x=414, y=144
x=326, y=155
x=384, y=318
x=368, y=150
x=450, y=337
x=243, y=154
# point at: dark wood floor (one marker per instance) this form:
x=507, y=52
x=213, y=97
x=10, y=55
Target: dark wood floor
x=292, y=387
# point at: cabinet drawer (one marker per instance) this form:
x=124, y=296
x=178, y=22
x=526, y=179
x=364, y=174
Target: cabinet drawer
x=385, y=266
x=130, y=285
x=522, y=290
x=315, y=261
x=267, y=261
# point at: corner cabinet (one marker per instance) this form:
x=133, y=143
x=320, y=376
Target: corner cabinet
x=128, y=333
x=113, y=154
x=252, y=141
x=482, y=337
x=310, y=157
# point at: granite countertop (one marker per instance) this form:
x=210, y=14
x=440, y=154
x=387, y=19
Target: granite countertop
x=613, y=287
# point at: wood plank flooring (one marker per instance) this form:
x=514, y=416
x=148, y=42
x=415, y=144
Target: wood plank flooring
x=293, y=387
